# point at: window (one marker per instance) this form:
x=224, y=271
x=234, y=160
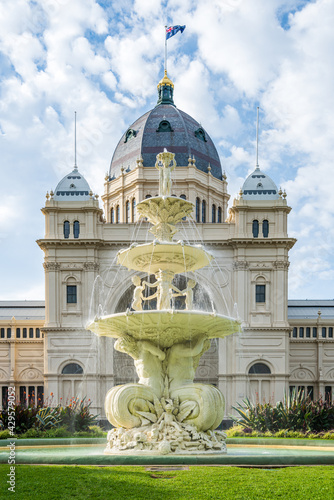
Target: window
x=112, y=216
x=71, y=294
x=24, y=333
x=23, y=394
x=130, y=133
x=310, y=392
x=197, y=209
x=18, y=333
x=328, y=393
x=117, y=214
x=66, y=229
x=40, y=395
x=203, y=211
x=183, y=197
x=200, y=134
x=38, y=333
x=255, y=228
x=330, y=332
x=260, y=293
x=9, y=333
x=314, y=332
x=294, y=332
x=72, y=369
x=2, y=333
x=301, y=332
x=265, y=228
x=76, y=229
x=31, y=393
x=219, y=218
x=133, y=209
x=31, y=333
x=4, y=397
x=259, y=369
x=164, y=126
x=308, y=332
x=148, y=196
x=213, y=213
x=323, y=332
x=127, y=212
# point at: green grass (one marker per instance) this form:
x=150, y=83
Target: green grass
x=135, y=483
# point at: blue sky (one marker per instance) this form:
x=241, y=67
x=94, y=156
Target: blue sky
x=104, y=60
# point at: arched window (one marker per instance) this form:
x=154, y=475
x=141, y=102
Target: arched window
x=219, y=218
x=213, y=213
x=203, y=211
x=197, y=210
x=76, y=229
x=259, y=369
x=265, y=228
x=112, y=216
x=164, y=126
x=117, y=214
x=72, y=369
x=127, y=212
x=183, y=196
x=255, y=228
x=133, y=209
x=148, y=196
x=66, y=229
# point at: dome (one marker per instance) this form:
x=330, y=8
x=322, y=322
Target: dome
x=259, y=186
x=165, y=126
x=72, y=187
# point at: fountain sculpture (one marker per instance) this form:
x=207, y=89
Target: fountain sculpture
x=165, y=412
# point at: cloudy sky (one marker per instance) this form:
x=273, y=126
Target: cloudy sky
x=104, y=59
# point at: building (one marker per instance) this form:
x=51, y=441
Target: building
x=251, y=246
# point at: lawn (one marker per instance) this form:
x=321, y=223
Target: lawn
x=136, y=483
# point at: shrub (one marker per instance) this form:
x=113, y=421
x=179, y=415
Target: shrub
x=25, y=417
x=5, y=434
x=76, y=416
x=295, y=412
x=48, y=417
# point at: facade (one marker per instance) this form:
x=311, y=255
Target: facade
x=250, y=244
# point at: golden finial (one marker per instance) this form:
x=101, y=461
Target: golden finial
x=224, y=176
x=280, y=192
x=284, y=194
x=166, y=81
x=47, y=195
x=91, y=193
x=106, y=177
x=51, y=193
x=240, y=193
x=209, y=168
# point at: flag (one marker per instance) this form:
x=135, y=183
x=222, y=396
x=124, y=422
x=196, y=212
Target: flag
x=172, y=30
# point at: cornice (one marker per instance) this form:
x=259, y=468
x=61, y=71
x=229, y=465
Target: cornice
x=266, y=328
x=47, y=329
x=24, y=341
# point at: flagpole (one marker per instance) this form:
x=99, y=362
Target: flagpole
x=165, y=49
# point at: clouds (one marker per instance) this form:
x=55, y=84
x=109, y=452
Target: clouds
x=104, y=60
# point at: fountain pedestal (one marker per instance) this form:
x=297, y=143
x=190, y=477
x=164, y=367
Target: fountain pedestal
x=165, y=412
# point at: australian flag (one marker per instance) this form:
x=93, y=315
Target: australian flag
x=172, y=30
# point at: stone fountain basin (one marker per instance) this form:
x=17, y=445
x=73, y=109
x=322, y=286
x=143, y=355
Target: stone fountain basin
x=155, y=256
x=165, y=328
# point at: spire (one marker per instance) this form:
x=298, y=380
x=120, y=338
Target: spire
x=165, y=90
x=75, y=141
x=257, y=139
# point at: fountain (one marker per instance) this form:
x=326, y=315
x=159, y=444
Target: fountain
x=165, y=412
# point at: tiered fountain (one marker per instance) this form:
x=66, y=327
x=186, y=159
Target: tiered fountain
x=165, y=412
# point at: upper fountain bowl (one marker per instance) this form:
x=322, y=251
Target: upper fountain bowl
x=154, y=257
